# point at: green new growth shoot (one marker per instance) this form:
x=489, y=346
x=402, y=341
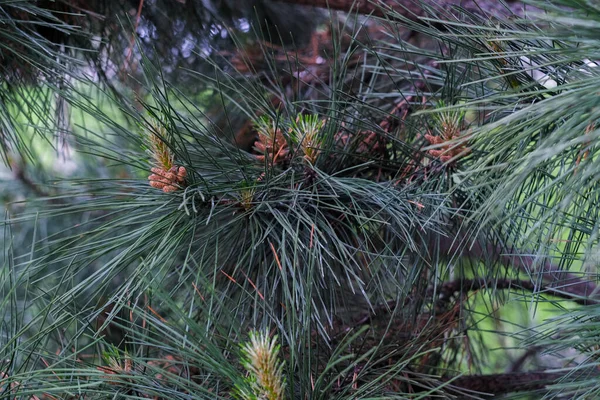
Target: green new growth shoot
x=265, y=372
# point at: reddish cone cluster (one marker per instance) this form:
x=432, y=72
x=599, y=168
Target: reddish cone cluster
x=271, y=144
x=449, y=148
x=448, y=127
x=165, y=176
x=168, y=181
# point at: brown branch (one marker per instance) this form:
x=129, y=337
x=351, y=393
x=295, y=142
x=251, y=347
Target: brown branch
x=20, y=174
x=412, y=9
x=519, y=362
x=132, y=41
x=503, y=383
x=552, y=279
x=462, y=286
x=558, y=282
x=468, y=386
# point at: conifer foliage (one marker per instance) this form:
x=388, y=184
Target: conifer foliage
x=377, y=200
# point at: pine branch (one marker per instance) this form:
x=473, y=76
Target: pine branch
x=21, y=176
x=505, y=383
x=412, y=9
x=463, y=286
x=518, y=364
x=555, y=281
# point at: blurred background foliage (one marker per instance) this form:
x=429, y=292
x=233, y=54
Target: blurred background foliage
x=263, y=199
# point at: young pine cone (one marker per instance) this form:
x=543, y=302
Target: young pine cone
x=448, y=150
x=168, y=181
x=273, y=146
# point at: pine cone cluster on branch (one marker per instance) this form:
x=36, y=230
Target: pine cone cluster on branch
x=271, y=145
x=165, y=176
x=168, y=181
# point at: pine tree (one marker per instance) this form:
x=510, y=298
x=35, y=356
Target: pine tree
x=364, y=200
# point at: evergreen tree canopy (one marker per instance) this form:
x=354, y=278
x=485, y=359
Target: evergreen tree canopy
x=299, y=199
